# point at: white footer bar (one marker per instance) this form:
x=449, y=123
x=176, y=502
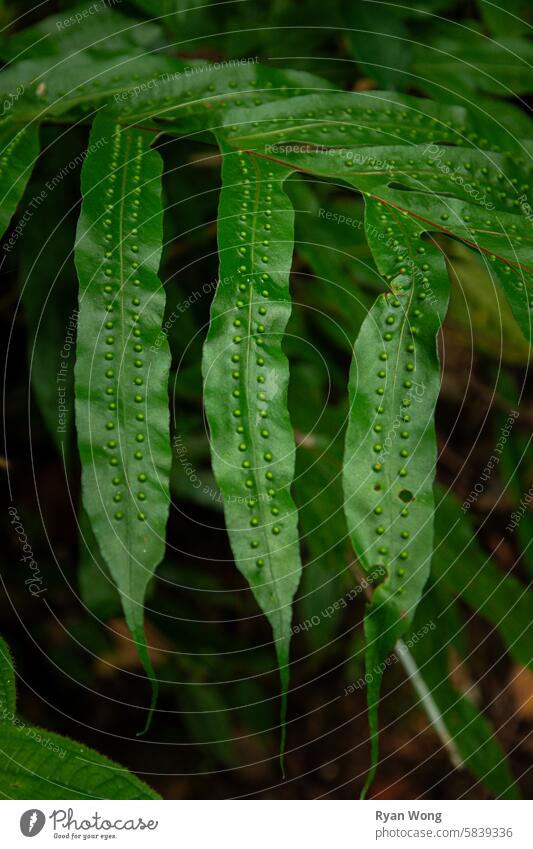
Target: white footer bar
x=267, y=824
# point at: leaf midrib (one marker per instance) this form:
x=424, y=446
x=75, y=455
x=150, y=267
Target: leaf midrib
x=248, y=396
x=121, y=407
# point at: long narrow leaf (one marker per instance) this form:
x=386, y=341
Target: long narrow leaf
x=245, y=385
x=390, y=442
x=121, y=375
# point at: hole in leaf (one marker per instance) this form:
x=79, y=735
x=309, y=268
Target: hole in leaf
x=406, y=496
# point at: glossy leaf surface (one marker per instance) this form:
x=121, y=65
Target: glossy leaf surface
x=37, y=764
x=245, y=387
x=122, y=413
x=390, y=455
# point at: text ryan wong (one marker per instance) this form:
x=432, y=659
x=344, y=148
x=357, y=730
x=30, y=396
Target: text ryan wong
x=399, y=816
x=66, y=820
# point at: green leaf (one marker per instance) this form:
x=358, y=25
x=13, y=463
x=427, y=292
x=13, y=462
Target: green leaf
x=510, y=18
x=19, y=148
x=97, y=589
x=459, y=63
x=380, y=44
x=197, y=98
x=470, y=731
x=479, y=314
x=245, y=388
x=8, y=695
x=409, y=214
x=81, y=27
x=121, y=376
x=502, y=239
x=462, y=566
x=390, y=442
x=342, y=119
x=194, y=95
x=37, y=764
x=76, y=86
x=399, y=252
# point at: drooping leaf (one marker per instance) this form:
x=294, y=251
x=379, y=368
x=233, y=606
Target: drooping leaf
x=245, y=388
x=470, y=195
x=390, y=442
x=19, y=148
x=408, y=214
x=122, y=365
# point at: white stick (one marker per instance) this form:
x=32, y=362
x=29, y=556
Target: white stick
x=428, y=702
